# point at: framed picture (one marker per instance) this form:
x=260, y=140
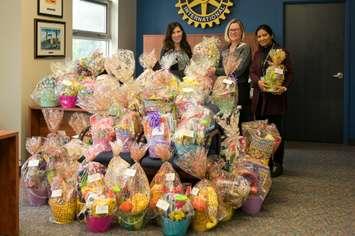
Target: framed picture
x=49, y=38
x=50, y=8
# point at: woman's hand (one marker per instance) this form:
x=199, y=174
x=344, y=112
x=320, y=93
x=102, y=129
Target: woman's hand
x=280, y=90
x=261, y=85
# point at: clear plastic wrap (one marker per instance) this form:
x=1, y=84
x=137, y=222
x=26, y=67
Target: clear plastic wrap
x=97, y=96
x=45, y=93
x=121, y=65
x=93, y=65
x=158, y=129
x=53, y=118
x=60, y=69
x=165, y=181
x=194, y=162
x=75, y=149
x=134, y=198
x=33, y=173
x=138, y=150
x=79, y=121
x=102, y=133
x=63, y=197
x=128, y=129
x=204, y=200
x=275, y=73
x=147, y=61
x=207, y=48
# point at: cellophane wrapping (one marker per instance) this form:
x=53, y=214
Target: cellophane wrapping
x=165, y=181
x=204, y=199
x=33, y=173
x=275, y=73
x=128, y=129
x=79, y=122
x=134, y=197
x=194, y=162
x=92, y=65
x=158, y=129
x=147, y=61
x=45, y=93
x=121, y=64
x=207, y=48
x=102, y=133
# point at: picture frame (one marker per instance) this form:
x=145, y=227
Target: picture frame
x=53, y=8
x=49, y=38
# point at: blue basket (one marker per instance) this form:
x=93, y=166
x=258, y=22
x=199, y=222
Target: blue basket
x=175, y=228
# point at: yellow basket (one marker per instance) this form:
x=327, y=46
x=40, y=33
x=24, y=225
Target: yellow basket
x=63, y=213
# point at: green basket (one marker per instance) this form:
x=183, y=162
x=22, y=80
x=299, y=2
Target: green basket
x=131, y=222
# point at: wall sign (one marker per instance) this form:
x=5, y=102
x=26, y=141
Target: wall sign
x=203, y=12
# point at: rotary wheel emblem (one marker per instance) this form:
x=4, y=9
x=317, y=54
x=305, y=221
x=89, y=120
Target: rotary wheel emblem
x=203, y=12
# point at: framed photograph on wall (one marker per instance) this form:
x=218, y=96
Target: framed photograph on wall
x=52, y=8
x=49, y=38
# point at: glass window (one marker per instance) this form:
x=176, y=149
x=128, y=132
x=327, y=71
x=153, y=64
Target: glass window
x=90, y=27
x=84, y=47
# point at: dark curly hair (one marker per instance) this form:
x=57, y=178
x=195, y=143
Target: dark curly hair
x=169, y=43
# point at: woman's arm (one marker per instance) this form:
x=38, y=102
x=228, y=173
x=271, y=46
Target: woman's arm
x=244, y=60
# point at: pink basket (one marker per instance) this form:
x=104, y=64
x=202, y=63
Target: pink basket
x=37, y=197
x=67, y=101
x=99, y=224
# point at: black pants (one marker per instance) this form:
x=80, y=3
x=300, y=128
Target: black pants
x=244, y=101
x=278, y=120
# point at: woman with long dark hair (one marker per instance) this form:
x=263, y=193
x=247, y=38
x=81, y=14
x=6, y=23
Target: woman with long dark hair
x=175, y=42
x=265, y=104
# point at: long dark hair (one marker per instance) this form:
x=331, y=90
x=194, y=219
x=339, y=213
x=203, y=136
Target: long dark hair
x=169, y=43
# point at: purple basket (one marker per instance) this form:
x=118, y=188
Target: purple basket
x=37, y=197
x=252, y=205
x=67, y=101
x=99, y=224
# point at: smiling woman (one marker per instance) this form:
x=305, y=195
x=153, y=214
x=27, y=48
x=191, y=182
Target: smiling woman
x=175, y=42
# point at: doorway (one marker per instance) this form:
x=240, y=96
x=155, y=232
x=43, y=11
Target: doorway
x=314, y=36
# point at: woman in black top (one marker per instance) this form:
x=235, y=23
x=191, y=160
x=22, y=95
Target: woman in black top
x=175, y=42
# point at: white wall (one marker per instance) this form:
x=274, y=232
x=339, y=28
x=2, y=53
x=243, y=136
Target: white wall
x=10, y=65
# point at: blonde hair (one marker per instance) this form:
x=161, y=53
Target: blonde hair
x=241, y=26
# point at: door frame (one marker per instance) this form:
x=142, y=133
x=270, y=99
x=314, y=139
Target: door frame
x=347, y=76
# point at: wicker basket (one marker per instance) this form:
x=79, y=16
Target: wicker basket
x=63, y=213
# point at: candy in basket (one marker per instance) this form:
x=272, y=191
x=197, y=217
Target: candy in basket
x=204, y=200
x=166, y=180
x=33, y=173
x=194, y=162
x=134, y=198
x=207, y=48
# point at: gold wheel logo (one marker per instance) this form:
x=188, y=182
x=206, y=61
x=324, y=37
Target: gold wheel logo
x=203, y=12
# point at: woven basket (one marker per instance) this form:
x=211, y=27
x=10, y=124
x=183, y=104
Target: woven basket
x=63, y=213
